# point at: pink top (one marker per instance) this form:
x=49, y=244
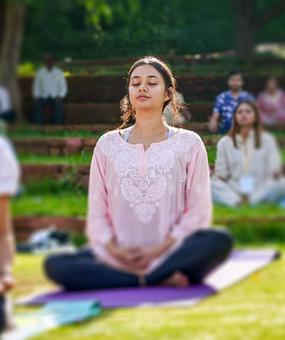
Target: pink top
x=272, y=107
x=139, y=197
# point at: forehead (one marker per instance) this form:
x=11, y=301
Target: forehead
x=145, y=71
x=245, y=106
x=271, y=81
x=235, y=77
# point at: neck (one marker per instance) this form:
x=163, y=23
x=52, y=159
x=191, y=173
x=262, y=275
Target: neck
x=235, y=93
x=272, y=92
x=149, y=123
x=244, y=131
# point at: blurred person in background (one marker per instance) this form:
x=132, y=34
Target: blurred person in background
x=6, y=111
x=49, y=91
x=9, y=186
x=271, y=103
x=248, y=166
x=226, y=102
x=183, y=115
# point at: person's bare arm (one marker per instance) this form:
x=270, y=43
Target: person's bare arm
x=7, y=247
x=214, y=121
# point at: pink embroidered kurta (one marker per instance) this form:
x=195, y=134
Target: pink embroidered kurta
x=139, y=197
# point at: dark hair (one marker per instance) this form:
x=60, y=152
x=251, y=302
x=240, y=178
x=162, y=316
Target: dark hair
x=257, y=124
x=234, y=73
x=128, y=112
x=270, y=78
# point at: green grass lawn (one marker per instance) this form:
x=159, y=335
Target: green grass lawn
x=252, y=309
x=59, y=204
x=60, y=198
x=83, y=158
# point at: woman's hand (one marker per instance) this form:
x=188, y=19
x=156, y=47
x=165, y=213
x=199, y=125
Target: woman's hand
x=7, y=282
x=147, y=254
x=138, y=259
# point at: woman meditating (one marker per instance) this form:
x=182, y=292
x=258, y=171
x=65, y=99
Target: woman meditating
x=149, y=208
x=248, y=166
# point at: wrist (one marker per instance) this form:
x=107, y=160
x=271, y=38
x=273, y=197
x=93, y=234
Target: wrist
x=168, y=242
x=7, y=272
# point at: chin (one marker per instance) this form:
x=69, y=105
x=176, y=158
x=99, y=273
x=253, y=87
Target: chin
x=145, y=107
x=245, y=124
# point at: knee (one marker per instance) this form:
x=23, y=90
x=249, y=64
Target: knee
x=221, y=240
x=53, y=266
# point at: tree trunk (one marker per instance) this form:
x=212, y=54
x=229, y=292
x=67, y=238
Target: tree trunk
x=245, y=29
x=14, y=18
x=247, y=24
x=2, y=14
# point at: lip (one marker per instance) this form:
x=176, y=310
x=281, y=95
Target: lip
x=142, y=97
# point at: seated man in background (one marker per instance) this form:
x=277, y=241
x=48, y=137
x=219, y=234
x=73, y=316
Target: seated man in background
x=271, y=103
x=49, y=90
x=226, y=102
x=9, y=183
x=6, y=112
x=184, y=114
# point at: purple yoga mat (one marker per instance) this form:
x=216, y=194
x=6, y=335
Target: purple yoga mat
x=239, y=265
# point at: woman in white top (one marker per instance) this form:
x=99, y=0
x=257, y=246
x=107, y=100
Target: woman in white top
x=248, y=167
x=9, y=182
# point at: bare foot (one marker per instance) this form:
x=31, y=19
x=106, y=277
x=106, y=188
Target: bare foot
x=177, y=280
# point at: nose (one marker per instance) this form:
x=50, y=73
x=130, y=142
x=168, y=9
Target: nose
x=143, y=87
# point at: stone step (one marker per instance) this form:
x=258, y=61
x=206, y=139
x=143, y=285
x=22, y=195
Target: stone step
x=107, y=91
x=78, y=174
x=66, y=128
x=54, y=146
x=111, y=89
x=109, y=113
x=24, y=226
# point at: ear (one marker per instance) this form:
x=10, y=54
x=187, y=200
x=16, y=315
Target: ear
x=168, y=94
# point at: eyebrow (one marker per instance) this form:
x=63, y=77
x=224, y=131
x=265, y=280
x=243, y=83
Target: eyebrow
x=150, y=76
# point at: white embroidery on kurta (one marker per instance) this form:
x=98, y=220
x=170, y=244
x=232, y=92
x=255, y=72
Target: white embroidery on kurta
x=199, y=189
x=145, y=192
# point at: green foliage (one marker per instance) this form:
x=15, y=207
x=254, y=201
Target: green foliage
x=85, y=29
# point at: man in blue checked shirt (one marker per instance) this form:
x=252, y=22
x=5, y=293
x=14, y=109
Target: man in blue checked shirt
x=226, y=102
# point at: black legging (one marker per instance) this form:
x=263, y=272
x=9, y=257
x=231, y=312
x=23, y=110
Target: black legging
x=2, y=313
x=199, y=254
